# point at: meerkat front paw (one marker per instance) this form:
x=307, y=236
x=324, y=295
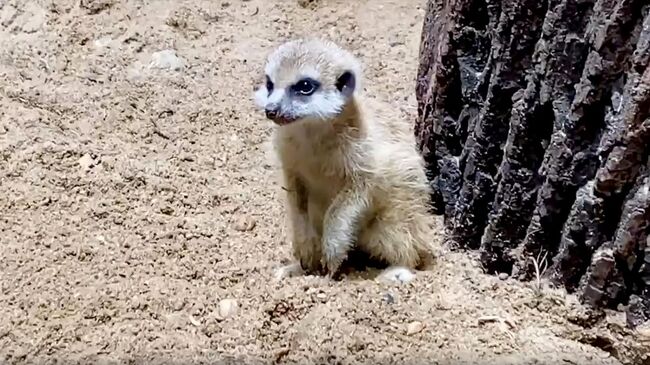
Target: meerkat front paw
x=288, y=271
x=332, y=264
x=397, y=274
x=333, y=256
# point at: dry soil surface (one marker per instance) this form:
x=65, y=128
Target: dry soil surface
x=140, y=218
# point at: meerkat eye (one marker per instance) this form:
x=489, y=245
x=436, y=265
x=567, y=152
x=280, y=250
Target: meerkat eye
x=269, y=84
x=306, y=86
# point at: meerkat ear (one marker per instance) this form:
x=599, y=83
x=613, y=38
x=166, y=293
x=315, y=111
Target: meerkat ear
x=346, y=83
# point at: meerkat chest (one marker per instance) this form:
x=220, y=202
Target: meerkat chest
x=319, y=163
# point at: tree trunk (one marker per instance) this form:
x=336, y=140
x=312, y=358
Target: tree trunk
x=534, y=121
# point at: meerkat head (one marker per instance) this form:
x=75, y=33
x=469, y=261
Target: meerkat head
x=308, y=80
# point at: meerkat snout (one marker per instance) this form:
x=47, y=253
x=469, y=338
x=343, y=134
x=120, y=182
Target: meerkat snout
x=310, y=80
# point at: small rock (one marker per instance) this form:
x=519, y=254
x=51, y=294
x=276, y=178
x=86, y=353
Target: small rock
x=389, y=298
x=102, y=42
x=166, y=59
x=414, y=327
x=96, y=6
x=211, y=327
x=29, y=19
x=281, y=353
x=134, y=74
x=635, y=312
x=245, y=223
x=167, y=210
x=643, y=333
x=8, y=15
x=195, y=321
x=503, y=276
x=34, y=22
x=321, y=296
x=86, y=162
x=190, y=23
x=4, y=332
x=228, y=308
x=307, y=4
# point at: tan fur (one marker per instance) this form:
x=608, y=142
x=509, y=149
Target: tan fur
x=356, y=179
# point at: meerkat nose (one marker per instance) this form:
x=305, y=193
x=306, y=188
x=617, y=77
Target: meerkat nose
x=272, y=111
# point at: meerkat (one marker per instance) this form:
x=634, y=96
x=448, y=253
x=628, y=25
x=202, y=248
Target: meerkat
x=352, y=174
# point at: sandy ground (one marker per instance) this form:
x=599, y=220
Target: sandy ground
x=140, y=220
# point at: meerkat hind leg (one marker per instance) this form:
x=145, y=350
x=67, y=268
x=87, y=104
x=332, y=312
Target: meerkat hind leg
x=392, y=242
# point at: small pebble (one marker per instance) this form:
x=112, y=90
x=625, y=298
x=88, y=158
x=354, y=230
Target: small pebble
x=228, y=308
x=166, y=59
x=86, y=162
x=306, y=3
x=195, y=321
x=503, y=276
x=414, y=327
x=245, y=223
x=102, y=42
x=389, y=298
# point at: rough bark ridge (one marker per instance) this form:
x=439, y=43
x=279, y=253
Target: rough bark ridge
x=534, y=121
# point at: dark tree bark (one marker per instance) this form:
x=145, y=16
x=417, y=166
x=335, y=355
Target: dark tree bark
x=534, y=121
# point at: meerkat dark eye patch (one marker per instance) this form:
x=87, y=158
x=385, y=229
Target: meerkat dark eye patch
x=305, y=86
x=346, y=83
x=269, y=84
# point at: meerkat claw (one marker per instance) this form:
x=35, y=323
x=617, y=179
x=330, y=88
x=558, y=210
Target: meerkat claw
x=333, y=266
